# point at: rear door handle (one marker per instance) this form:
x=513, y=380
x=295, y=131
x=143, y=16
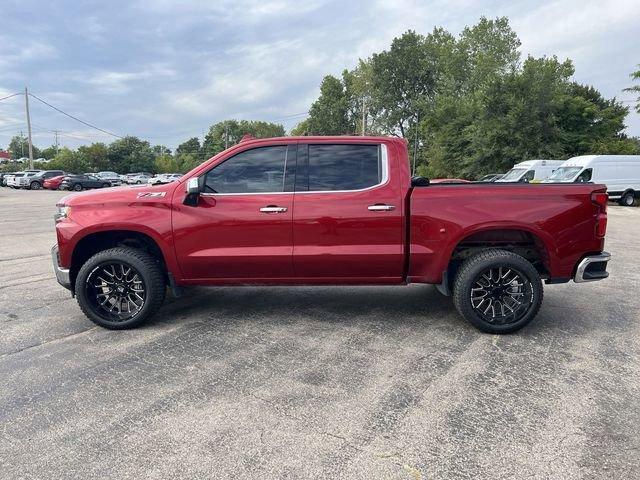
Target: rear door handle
x=273, y=209
x=381, y=208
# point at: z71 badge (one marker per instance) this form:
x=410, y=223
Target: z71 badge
x=151, y=194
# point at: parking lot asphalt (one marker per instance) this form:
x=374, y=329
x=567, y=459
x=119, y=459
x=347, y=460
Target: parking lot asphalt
x=322, y=382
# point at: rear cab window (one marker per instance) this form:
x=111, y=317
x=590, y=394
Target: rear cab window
x=339, y=167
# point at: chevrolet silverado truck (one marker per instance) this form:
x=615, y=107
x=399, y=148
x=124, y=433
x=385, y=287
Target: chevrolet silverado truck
x=328, y=211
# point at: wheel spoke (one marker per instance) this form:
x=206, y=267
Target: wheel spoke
x=116, y=291
x=501, y=295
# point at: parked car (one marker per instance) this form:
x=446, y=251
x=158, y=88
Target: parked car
x=138, y=178
x=164, y=178
x=328, y=210
x=620, y=173
x=112, y=177
x=531, y=171
x=25, y=180
x=53, y=183
x=491, y=177
x=36, y=181
x=82, y=182
x=13, y=181
x=3, y=177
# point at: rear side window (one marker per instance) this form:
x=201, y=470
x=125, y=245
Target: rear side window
x=344, y=167
x=260, y=170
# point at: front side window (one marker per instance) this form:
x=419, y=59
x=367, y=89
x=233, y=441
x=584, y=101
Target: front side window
x=564, y=174
x=344, y=167
x=585, y=176
x=512, y=175
x=260, y=170
x=527, y=177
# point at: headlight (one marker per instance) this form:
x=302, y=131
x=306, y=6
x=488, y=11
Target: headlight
x=62, y=212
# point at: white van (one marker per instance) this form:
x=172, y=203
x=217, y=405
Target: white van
x=531, y=171
x=620, y=173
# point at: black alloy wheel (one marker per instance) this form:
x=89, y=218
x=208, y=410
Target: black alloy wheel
x=497, y=291
x=501, y=295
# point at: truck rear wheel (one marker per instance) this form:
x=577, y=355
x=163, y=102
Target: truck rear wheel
x=120, y=288
x=497, y=291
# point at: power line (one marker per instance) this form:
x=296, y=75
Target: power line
x=75, y=118
x=12, y=95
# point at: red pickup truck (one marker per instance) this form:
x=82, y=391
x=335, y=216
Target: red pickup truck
x=328, y=211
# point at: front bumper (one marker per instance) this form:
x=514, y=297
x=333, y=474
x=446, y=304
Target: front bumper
x=592, y=268
x=62, y=274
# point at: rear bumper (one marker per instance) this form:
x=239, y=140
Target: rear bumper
x=592, y=268
x=62, y=274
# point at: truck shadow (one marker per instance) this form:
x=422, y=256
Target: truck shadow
x=397, y=304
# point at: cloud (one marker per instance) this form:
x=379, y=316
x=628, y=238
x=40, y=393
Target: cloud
x=121, y=82
x=167, y=70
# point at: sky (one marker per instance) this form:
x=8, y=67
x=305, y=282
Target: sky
x=165, y=71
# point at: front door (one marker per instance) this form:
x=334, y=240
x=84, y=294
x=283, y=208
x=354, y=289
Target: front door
x=240, y=231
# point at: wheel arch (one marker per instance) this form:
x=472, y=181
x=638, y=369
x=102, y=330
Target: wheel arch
x=94, y=242
x=534, y=245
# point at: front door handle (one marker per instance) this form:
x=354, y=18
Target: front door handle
x=273, y=209
x=381, y=208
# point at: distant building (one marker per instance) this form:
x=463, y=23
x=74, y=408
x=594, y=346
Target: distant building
x=4, y=156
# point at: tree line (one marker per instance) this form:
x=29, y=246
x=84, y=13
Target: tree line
x=467, y=105
x=131, y=154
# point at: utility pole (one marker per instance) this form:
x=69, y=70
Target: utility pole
x=26, y=101
x=55, y=132
x=226, y=135
x=364, y=116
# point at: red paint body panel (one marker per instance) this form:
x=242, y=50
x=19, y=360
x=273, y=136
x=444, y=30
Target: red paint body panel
x=333, y=237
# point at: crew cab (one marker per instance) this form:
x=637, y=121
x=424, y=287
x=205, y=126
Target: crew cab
x=328, y=211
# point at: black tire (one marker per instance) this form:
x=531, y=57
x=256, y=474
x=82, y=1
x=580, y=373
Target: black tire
x=105, y=185
x=524, y=299
x=628, y=199
x=77, y=187
x=35, y=186
x=142, y=266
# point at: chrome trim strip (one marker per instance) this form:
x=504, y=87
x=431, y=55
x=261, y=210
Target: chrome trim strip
x=62, y=274
x=584, y=263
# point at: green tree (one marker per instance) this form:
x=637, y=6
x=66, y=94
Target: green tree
x=19, y=147
x=130, y=154
x=166, y=163
x=636, y=88
x=69, y=161
x=403, y=82
x=191, y=146
x=301, y=128
x=49, y=152
x=329, y=115
x=230, y=132
x=96, y=156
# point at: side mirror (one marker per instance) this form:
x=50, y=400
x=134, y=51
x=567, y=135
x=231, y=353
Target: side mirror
x=418, y=181
x=193, y=192
x=193, y=186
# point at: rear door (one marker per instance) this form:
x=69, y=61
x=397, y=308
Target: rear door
x=347, y=220
x=240, y=231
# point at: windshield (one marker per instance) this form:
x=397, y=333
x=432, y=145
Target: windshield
x=564, y=174
x=513, y=175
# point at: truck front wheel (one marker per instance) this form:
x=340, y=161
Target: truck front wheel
x=120, y=288
x=497, y=291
